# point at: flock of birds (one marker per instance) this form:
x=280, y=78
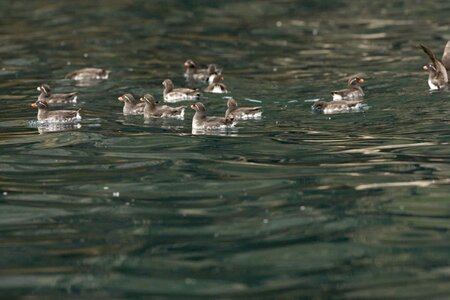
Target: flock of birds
x=345, y=100
x=148, y=106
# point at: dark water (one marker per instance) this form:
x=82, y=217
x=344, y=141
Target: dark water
x=293, y=206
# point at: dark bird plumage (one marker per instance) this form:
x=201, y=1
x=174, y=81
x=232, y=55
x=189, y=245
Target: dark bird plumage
x=437, y=73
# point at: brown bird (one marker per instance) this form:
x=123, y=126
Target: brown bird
x=56, y=116
x=217, y=87
x=354, y=90
x=49, y=97
x=191, y=72
x=88, y=74
x=171, y=94
x=242, y=113
x=437, y=73
x=151, y=110
x=201, y=121
x=130, y=106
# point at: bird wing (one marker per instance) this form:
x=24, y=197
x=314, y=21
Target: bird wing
x=218, y=121
x=446, y=56
x=63, y=114
x=185, y=91
x=439, y=66
x=351, y=103
x=249, y=110
x=168, y=110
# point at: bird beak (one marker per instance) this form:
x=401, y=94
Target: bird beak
x=361, y=80
x=38, y=88
x=193, y=106
x=141, y=99
x=33, y=105
x=120, y=98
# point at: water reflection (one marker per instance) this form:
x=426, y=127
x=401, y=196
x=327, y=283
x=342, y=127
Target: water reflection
x=175, y=124
x=47, y=127
x=87, y=83
x=55, y=127
x=216, y=131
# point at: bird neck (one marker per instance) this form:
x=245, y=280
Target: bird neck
x=43, y=95
x=42, y=113
x=168, y=88
x=149, y=106
x=191, y=71
x=129, y=105
x=200, y=115
x=232, y=107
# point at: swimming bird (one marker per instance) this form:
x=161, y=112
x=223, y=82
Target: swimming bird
x=201, y=121
x=353, y=91
x=171, y=94
x=87, y=74
x=151, y=110
x=437, y=73
x=213, y=72
x=191, y=72
x=242, y=113
x=49, y=97
x=338, y=106
x=56, y=116
x=130, y=106
x=217, y=87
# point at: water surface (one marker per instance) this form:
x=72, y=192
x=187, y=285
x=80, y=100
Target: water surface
x=296, y=205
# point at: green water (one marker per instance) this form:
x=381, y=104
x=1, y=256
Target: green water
x=296, y=205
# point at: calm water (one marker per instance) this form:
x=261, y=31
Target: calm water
x=294, y=206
